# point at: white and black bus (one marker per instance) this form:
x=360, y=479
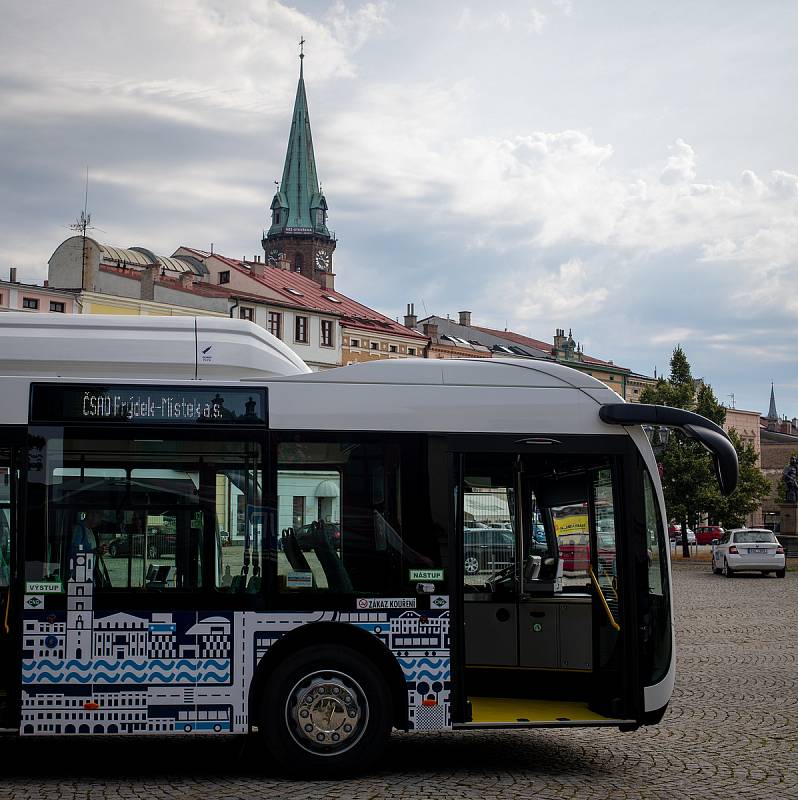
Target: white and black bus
x=193, y=526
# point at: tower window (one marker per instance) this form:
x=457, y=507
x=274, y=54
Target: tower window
x=298, y=263
x=276, y=216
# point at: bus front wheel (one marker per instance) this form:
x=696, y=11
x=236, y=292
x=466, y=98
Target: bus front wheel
x=326, y=711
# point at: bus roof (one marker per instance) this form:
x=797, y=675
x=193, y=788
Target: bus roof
x=128, y=347
x=495, y=372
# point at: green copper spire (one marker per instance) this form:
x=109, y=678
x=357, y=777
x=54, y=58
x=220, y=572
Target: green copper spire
x=299, y=206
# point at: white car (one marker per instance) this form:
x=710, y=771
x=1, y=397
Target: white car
x=750, y=550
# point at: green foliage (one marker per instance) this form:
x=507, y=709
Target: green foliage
x=752, y=488
x=688, y=477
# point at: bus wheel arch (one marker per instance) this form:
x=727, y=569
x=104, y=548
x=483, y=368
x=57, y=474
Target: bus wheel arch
x=335, y=634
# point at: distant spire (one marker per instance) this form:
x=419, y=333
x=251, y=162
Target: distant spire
x=772, y=414
x=301, y=54
x=299, y=204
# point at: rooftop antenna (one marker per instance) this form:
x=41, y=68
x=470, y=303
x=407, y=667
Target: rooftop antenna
x=732, y=399
x=82, y=225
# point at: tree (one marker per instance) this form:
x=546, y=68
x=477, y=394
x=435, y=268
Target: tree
x=752, y=488
x=686, y=468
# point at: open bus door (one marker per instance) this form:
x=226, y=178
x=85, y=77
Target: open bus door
x=10, y=590
x=542, y=590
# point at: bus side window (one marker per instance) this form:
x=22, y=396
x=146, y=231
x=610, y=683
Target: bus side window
x=352, y=513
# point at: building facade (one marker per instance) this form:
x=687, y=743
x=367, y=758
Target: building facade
x=16, y=296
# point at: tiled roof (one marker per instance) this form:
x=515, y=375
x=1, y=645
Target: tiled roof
x=546, y=346
x=517, y=338
x=300, y=292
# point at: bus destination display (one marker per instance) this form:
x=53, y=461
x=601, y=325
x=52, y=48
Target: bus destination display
x=147, y=404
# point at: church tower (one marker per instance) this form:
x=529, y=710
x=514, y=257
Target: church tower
x=298, y=238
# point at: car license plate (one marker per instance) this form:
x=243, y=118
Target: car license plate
x=752, y=551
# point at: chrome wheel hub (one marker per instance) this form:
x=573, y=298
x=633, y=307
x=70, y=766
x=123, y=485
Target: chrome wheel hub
x=471, y=565
x=326, y=712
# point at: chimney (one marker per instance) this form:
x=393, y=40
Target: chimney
x=327, y=281
x=411, y=320
x=148, y=278
x=257, y=268
x=431, y=330
x=284, y=263
x=465, y=318
x=12, y=276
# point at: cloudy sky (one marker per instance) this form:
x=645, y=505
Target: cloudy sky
x=624, y=168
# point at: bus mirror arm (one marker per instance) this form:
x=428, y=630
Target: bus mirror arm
x=710, y=435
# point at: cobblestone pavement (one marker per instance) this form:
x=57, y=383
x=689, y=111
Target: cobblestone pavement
x=730, y=732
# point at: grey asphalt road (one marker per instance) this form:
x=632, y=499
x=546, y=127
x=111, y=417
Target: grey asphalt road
x=731, y=732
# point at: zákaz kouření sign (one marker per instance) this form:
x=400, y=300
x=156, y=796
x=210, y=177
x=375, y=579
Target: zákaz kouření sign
x=147, y=404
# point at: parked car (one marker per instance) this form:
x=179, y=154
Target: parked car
x=304, y=534
x=705, y=534
x=675, y=533
x=751, y=550
x=574, y=551
x=487, y=549
x=156, y=543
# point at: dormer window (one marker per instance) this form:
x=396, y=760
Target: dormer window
x=320, y=216
x=276, y=216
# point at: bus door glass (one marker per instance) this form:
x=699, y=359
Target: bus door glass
x=5, y=563
x=606, y=580
x=490, y=574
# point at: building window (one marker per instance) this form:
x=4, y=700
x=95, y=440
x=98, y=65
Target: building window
x=301, y=330
x=30, y=302
x=59, y=308
x=411, y=351
x=1, y=298
x=224, y=277
x=355, y=343
x=298, y=262
x=298, y=516
x=375, y=346
x=246, y=313
x=275, y=323
x=276, y=216
x=394, y=348
x=326, y=333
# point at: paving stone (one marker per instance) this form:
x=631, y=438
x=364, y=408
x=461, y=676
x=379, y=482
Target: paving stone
x=731, y=731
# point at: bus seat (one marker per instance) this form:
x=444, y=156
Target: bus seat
x=296, y=558
x=338, y=579
x=239, y=582
x=253, y=587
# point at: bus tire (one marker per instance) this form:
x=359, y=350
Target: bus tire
x=325, y=711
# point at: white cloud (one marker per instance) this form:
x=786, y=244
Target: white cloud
x=355, y=28
x=536, y=21
x=568, y=291
x=681, y=165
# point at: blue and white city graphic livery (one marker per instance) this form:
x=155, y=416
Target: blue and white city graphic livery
x=190, y=672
